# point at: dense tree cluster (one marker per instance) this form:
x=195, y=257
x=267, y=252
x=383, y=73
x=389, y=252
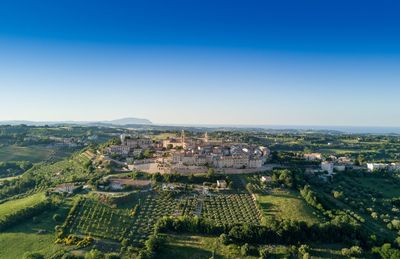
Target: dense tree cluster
x=274, y=232
x=13, y=168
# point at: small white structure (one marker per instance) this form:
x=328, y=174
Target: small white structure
x=327, y=166
x=167, y=187
x=265, y=178
x=116, y=185
x=221, y=184
x=376, y=166
x=65, y=188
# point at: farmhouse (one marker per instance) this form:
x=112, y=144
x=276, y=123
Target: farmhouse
x=122, y=183
x=66, y=188
x=313, y=156
x=327, y=167
x=221, y=184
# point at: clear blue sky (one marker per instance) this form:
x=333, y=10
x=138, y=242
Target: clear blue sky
x=202, y=62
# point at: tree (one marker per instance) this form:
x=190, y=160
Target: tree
x=112, y=256
x=33, y=255
x=264, y=253
x=94, y=254
x=244, y=250
x=223, y=238
x=303, y=249
x=56, y=217
x=210, y=172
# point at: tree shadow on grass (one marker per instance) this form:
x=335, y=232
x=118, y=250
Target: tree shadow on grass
x=173, y=251
x=43, y=221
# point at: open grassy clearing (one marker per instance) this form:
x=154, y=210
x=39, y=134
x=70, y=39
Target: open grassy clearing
x=196, y=247
x=164, y=136
x=16, y=241
x=29, y=153
x=286, y=204
x=15, y=205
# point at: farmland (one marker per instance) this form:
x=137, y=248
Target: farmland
x=100, y=220
x=30, y=153
x=284, y=204
x=34, y=153
x=192, y=246
x=33, y=235
x=15, y=205
x=232, y=208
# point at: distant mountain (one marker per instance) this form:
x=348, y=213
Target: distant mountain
x=118, y=122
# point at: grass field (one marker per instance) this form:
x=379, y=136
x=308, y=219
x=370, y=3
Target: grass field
x=284, y=204
x=15, y=205
x=196, y=247
x=34, y=154
x=164, y=136
x=16, y=241
x=30, y=153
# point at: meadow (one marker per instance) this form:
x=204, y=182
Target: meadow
x=34, y=235
x=37, y=153
x=15, y=205
x=198, y=247
x=286, y=204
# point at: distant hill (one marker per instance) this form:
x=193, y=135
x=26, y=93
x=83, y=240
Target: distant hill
x=128, y=121
x=118, y=122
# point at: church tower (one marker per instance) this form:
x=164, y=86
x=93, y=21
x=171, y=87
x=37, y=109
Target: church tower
x=183, y=141
x=206, y=137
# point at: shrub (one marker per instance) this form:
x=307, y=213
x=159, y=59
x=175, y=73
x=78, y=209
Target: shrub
x=244, y=250
x=94, y=254
x=304, y=249
x=223, y=238
x=57, y=217
x=33, y=255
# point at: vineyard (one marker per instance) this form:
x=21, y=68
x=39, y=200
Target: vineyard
x=96, y=219
x=136, y=214
x=231, y=209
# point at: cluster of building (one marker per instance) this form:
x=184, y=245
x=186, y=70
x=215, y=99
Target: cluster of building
x=190, y=151
x=130, y=147
x=332, y=164
x=383, y=166
x=217, y=154
x=340, y=164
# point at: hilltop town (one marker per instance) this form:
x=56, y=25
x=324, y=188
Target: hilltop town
x=188, y=154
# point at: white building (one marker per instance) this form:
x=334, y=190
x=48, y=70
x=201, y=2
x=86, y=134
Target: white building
x=312, y=156
x=65, y=188
x=221, y=184
x=327, y=166
x=376, y=166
